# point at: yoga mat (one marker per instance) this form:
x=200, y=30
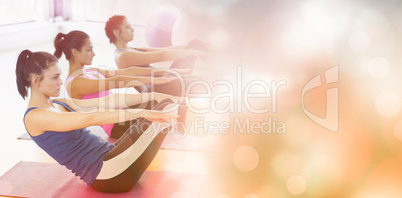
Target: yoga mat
x=37, y=179
x=24, y=136
x=173, y=141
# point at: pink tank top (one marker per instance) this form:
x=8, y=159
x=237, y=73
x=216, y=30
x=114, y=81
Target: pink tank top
x=108, y=128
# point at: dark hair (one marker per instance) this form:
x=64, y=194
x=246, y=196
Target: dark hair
x=113, y=23
x=64, y=43
x=29, y=63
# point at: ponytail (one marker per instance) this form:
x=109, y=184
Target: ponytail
x=29, y=63
x=22, y=83
x=58, y=44
x=64, y=43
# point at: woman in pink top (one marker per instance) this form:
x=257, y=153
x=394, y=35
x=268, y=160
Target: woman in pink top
x=94, y=83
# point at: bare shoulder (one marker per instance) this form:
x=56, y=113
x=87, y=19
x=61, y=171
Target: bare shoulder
x=35, y=120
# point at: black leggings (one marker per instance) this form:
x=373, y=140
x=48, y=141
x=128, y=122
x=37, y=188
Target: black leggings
x=120, y=128
x=129, y=177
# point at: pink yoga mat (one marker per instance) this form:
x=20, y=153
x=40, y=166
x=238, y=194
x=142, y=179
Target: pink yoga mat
x=36, y=179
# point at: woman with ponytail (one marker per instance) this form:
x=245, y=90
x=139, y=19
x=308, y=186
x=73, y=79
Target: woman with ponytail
x=40, y=62
x=94, y=83
x=120, y=33
x=78, y=50
x=58, y=126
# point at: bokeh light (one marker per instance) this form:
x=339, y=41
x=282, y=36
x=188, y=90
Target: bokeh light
x=296, y=184
x=295, y=42
x=388, y=104
x=379, y=68
x=245, y=158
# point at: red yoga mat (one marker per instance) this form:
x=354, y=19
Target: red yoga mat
x=37, y=179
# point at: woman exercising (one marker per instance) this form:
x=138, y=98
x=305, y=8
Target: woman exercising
x=94, y=83
x=120, y=33
x=59, y=127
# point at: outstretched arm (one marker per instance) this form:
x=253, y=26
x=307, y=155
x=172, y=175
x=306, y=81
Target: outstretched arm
x=139, y=71
x=38, y=121
x=81, y=85
x=137, y=58
x=112, y=101
x=116, y=101
x=150, y=49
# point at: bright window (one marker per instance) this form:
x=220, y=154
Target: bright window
x=17, y=11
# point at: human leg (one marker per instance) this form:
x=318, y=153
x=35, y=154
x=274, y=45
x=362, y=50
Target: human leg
x=178, y=87
x=120, y=128
x=124, y=165
x=189, y=62
x=128, y=178
x=174, y=88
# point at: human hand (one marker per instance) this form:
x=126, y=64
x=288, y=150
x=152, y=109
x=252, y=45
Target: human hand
x=159, y=116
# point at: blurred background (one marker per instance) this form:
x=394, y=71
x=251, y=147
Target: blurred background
x=278, y=151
